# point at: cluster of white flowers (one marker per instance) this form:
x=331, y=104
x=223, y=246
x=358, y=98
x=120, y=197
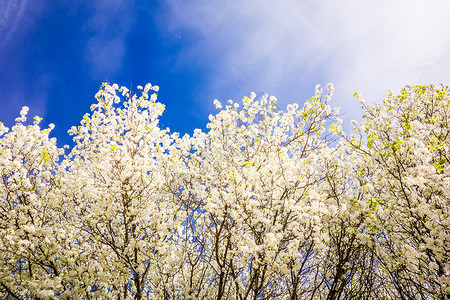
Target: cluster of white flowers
x=263, y=204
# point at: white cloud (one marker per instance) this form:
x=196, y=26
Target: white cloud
x=105, y=55
x=109, y=25
x=286, y=47
x=11, y=15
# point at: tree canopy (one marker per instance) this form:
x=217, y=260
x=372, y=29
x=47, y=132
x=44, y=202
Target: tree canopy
x=264, y=204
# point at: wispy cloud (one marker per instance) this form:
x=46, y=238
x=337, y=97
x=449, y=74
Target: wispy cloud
x=37, y=41
x=11, y=15
x=286, y=47
x=108, y=25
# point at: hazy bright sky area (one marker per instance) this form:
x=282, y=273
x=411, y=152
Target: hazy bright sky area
x=54, y=54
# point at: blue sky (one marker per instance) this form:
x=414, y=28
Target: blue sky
x=55, y=54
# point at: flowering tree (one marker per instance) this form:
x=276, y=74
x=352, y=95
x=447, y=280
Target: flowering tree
x=257, y=197
x=265, y=204
x=122, y=211
x=34, y=252
x=405, y=146
x=274, y=210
